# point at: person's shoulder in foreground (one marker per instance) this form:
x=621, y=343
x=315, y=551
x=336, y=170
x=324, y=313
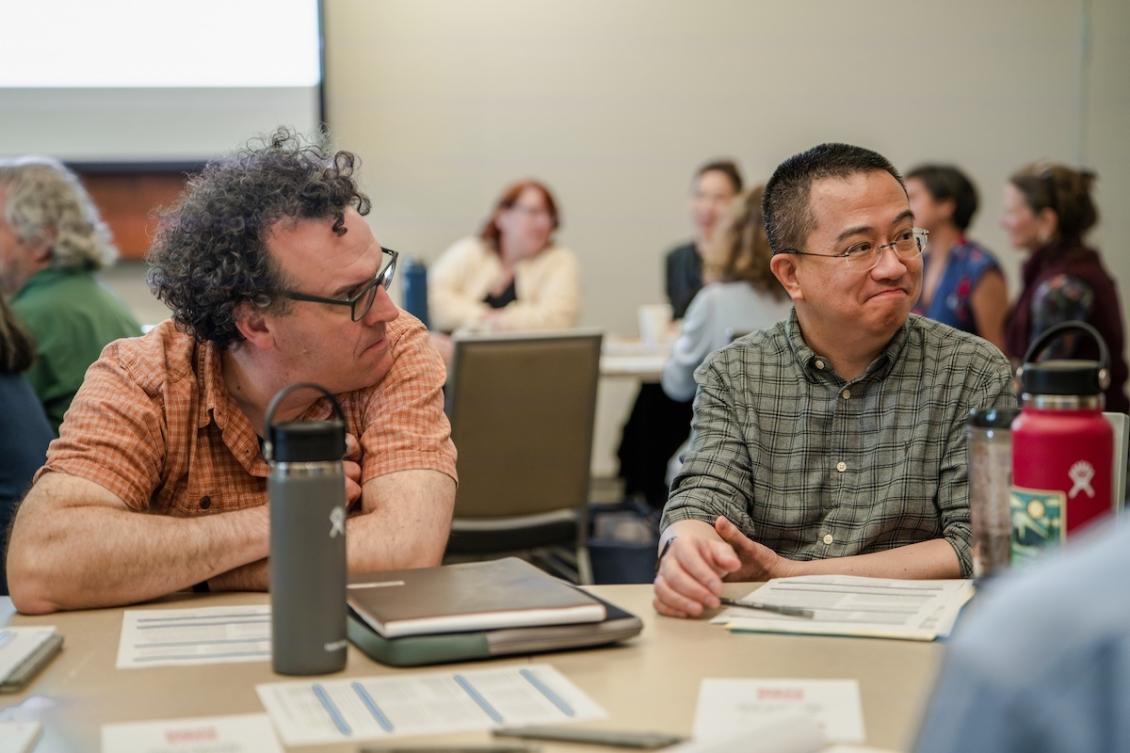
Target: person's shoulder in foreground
x=274, y=278
x=1042, y=660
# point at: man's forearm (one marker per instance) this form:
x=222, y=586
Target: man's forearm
x=99, y=555
x=406, y=523
x=250, y=577
x=927, y=559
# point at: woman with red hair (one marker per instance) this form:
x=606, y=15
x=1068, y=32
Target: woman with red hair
x=511, y=276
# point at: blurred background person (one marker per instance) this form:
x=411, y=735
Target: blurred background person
x=715, y=186
x=962, y=282
x=511, y=276
x=657, y=425
x=24, y=431
x=52, y=241
x=1048, y=211
x=741, y=294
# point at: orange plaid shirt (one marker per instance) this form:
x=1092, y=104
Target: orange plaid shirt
x=154, y=424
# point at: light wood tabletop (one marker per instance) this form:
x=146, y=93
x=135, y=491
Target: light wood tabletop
x=650, y=683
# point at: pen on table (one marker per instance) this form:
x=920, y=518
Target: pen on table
x=788, y=611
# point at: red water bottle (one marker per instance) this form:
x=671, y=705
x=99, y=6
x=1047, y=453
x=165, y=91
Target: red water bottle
x=1062, y=447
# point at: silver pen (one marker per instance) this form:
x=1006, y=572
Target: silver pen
x=788, y=611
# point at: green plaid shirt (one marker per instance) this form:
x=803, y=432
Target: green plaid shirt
x=813, y=466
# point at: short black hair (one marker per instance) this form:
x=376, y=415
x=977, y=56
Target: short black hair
x=209, y=255
x=788, y=218
x=727, y=167
x=947, y=183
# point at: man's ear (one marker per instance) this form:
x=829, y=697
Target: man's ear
x=784, y=268
x=252, y=322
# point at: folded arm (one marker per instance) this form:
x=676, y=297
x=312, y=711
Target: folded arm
x=77, y=545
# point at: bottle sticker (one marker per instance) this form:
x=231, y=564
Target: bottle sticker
x=1038, y=521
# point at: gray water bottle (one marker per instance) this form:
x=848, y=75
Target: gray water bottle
x=306, y=496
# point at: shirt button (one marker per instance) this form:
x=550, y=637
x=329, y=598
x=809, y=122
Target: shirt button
x=841, y=466
x=205, y=502
x=828, y=538
x=846, y=394
x=819, y=364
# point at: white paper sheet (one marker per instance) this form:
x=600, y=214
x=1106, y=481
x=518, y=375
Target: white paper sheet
x=797, y=733
x=367, y=708
x=19, y=737
x=18, y=643
x=209, y=635
x=847, y=605
x=245, y=733
x=727, y=706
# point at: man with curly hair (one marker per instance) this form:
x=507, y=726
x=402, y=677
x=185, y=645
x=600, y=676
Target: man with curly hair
x=273, y=277
x=52, y=241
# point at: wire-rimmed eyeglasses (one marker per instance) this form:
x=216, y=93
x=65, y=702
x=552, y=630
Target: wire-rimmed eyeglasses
x=909, y=245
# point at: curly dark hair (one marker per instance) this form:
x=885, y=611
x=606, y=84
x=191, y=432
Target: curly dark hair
x=209, y=254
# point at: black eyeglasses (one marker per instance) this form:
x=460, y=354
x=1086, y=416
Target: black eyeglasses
x=361, y=301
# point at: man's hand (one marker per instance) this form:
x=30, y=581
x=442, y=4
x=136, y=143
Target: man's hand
x=700, y=558
x=690, y=574
x=351, y=464
x=759, y=562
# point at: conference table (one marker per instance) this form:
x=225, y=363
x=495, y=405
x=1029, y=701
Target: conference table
x=626, y=358
x=648, y=683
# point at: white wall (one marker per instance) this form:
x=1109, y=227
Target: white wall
x=614, y=102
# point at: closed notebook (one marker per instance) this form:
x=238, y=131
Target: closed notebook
x=465, y=598
x=414, y=650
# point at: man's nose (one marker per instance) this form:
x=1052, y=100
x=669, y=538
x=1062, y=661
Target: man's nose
x=889, y=266
x=383, y=309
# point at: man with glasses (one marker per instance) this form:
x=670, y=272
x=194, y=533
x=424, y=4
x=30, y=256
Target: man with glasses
x=158, y=482
x=833, y=442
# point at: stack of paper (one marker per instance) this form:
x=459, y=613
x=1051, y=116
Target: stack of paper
x=208, y=635
x=918, y=610
x=245, y=733
x=19, y=737
x=366, y=708
x=23, y=652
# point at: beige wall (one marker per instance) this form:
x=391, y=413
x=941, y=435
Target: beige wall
x=1106, y=143
x=614, y=102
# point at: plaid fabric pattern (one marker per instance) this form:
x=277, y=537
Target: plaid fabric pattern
x=154, y=424
x=813, y=466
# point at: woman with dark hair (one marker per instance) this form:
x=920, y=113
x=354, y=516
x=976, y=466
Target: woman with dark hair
x=741, y=295
x=512, y=276
x=24, y=431
x=715, y=185
x=962, y=282
x=1048, y=210
x=657, y=425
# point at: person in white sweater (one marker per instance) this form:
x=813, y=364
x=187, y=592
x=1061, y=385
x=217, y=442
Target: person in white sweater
x=511, y=276
x=741, y=295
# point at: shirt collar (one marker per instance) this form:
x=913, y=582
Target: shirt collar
x=814, y=366
x=48, y=276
